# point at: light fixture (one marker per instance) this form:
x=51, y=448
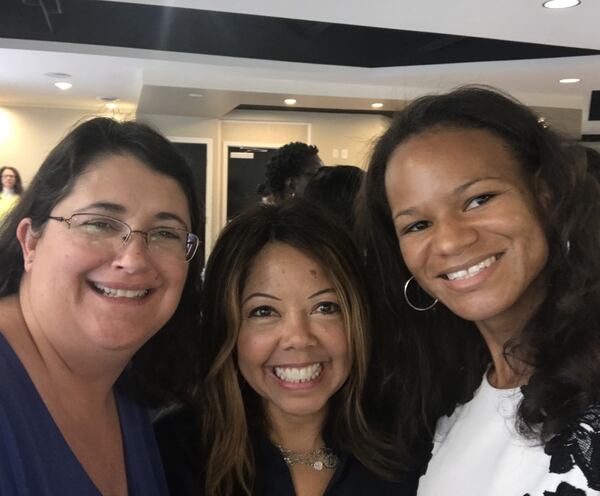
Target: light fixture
x=196, y=95
x=63, y=85
x=112, y=105
x=561, y=4
x=290, y=101
x=569, y=80
x=377, y=105
x=57, y=75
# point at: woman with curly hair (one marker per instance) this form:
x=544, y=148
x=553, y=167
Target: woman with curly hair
x=483, y=236
x=289, y=171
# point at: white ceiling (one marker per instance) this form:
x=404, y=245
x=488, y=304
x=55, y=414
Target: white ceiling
x=123, y=73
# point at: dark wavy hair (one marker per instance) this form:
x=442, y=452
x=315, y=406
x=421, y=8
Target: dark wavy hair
x=289, y=162
x=229, y=410
x=18, y=183
x=151, y=372
x=428, y=362
x=335, y=188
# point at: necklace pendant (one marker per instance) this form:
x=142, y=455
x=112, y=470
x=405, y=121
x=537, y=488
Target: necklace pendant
x=318, y=465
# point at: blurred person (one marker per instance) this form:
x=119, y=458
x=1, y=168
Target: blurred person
x=288, y=172
x=10, y=189
x=335, y=189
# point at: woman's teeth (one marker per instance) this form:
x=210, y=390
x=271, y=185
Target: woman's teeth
x=298, y=374
x=121, y=293
x=471, y=271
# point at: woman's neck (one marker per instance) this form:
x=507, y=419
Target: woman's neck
x=295, y=432
x=8, y=192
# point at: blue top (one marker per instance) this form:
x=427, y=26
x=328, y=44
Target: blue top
x=35, y=459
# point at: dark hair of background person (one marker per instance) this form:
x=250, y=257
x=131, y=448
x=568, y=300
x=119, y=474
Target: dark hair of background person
x=593, y=161
x=427, y=362
x=18, y=184
x=230, y=412
x=289, y=162
x=151, y=373
x=335, y=188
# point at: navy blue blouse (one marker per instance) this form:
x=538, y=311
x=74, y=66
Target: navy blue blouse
x=177, y=433
x=35, y=459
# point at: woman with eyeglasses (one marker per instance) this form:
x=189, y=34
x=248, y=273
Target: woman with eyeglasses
x=98, y=288
x=10, y=189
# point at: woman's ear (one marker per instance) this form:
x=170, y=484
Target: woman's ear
x=28, y=240
x=290, y=186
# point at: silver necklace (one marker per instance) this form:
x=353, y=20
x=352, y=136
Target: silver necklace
x=318, y=459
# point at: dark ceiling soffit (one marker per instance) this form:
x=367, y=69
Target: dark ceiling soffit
x=173, y=29
x=48, y=8
x=286, y=108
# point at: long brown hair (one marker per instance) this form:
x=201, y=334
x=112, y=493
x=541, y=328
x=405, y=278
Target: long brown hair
x=227, y=407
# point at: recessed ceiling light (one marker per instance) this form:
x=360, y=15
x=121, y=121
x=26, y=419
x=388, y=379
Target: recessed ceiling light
x=290, y=101
x=63, y=85
x=107, y=98
x=377, y=105
x=569, y=80
x=561, y=4
x=58, y=75
x=196, y=95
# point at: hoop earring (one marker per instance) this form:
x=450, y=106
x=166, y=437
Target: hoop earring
x=418, y=309
x=567, y=248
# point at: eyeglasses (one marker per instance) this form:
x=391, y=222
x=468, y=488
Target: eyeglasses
x=6, y=176
x=104, y=232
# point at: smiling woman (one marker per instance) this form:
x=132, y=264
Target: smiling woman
x=85, y=297
x=277, y=408
x=475, y=206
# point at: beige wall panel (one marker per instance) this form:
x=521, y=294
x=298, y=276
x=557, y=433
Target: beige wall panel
x=27, y=134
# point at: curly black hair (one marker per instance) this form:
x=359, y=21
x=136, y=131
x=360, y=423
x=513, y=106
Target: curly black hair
x=289, y=161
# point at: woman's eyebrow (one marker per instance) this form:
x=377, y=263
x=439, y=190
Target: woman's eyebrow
x=117, y=208
x=320, y=292
x=259, y=295
x=459, y=189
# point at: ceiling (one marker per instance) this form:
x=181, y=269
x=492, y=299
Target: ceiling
x=326, y=54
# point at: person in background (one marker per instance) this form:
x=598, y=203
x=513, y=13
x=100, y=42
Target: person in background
x=10, y=189
x=98, y=295
x=335, y=189
x=284, y=344
x=288, y=172
x=483, y=240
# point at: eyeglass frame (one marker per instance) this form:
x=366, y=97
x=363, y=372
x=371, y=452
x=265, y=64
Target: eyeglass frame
x=127, y=237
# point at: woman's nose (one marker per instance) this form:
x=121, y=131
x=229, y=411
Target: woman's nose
x=453, y=235
x=297, y=332
x=133, y=255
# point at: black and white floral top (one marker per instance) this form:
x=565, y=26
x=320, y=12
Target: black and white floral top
x=477, y=452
